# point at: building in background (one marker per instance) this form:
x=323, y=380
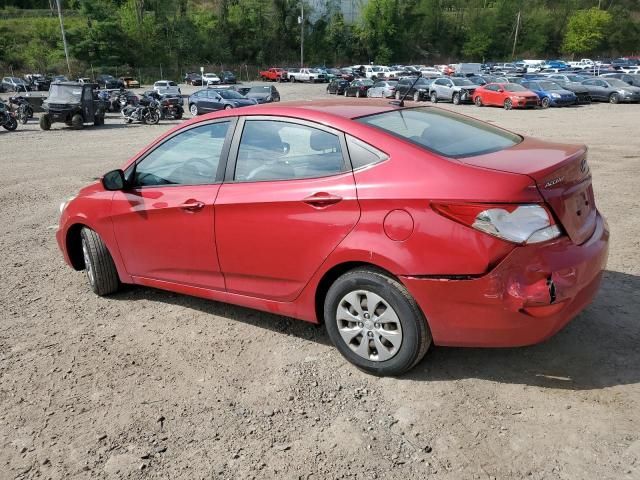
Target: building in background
x=351, y=9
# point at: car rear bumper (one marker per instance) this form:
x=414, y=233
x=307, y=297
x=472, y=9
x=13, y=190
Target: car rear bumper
x=533, y=293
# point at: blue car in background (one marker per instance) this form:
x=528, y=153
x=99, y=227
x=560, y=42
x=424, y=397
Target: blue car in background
x=551, y=94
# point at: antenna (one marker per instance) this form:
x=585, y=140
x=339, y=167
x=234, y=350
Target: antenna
x=400, y=102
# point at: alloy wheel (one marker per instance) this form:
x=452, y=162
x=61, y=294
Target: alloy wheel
x=88, y=265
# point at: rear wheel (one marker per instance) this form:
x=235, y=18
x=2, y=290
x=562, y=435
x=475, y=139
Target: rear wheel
x=101, y=271
x=614, y=98
x=45, y=121
x=227, y=107
x=434, y=97
x=11, y=125
x=508, y=104
x=375, y=323
x=193, y=110
x=98, y=120
x=76, y=121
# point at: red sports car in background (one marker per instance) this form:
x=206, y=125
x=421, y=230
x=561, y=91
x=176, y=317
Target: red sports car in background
x=507, y=95
x=397, y=228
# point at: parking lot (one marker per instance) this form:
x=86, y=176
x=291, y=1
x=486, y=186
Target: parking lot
x=151, y=384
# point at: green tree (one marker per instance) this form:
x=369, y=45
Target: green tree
x=586, y=31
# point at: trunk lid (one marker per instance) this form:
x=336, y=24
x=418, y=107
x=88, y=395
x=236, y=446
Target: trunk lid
x=562, y=176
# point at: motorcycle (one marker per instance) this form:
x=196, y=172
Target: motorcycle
x=23, y=109
x=7, y=117
x=147, y=111
x=170, y=105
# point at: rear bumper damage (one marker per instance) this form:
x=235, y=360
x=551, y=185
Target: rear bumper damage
x=528, y=297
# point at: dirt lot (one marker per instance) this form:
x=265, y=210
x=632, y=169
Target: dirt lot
x=150, y=384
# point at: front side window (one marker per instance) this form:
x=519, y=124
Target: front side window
x=273, y=150
x=443, y=132
x=188, y=158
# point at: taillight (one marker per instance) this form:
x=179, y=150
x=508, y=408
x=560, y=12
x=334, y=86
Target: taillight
x=530, y=223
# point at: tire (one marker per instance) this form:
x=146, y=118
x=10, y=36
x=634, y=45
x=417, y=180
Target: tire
x=228, y=107
x=416, y=96
x=508, y=104
x=178, y=116
x=293, y=79
x=456, y=99
x=545, y=102
x=357, y=93
x=45, y=121
x=12, y=125
x=345, y=93
x=614, y=98
x=478, y=102
x=434, y=97
x=101, y=271
x=76, y=121
x=98, y=120
x=152, y=118
x=193, y=110
x=398, y=97
x=409, y=322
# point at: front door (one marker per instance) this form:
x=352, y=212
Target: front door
x=287, y=202
x=165, y=223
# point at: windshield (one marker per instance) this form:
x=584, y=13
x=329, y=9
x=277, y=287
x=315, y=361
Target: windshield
x=514, y=87
x=461, y=82
x=229, y=94
x=550, y=86
x=64, y=94
x=576, y=78
x=443, y=132
x=615, y=82
x=264, y=89
x=367, y=82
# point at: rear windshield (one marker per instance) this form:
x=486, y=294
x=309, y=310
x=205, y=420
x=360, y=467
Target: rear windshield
x=443, y=132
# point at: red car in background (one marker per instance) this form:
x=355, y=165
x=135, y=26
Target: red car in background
x=397, y=228
x=273, y=74
x=507, y=95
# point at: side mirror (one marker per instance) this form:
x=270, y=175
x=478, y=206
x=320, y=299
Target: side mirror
x=113, y=180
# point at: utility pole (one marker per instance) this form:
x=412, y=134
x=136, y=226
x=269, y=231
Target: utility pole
x=64, y=38
x=515, y=39
x=301, y=21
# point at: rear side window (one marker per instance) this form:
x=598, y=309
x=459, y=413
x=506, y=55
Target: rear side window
x=363, y=154
x=275, y=150
x=443, y=132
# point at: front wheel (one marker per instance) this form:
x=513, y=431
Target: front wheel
x=397, y=95
x=416, y=96
x=478, y=102
x=456, y=99
x=77, y=122
x=614, y=98
x=345, y=93
x=45, y=122
x=152, y=117
x=508, y=104
x=434, y=97
x=101, y=271
x=375, y=323
x=11, y=124
x=545, y=102
x=357, y=93
x=193, y=110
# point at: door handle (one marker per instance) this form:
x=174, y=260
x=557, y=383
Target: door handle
x=322, y=200
x=192, y=206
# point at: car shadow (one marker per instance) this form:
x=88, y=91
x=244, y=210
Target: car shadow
x=600, y=348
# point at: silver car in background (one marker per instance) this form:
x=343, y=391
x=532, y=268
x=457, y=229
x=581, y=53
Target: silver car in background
x=383, y=89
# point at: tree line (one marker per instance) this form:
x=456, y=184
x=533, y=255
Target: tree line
x=181, y=34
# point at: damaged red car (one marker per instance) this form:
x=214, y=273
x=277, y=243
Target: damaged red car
x=397, y=228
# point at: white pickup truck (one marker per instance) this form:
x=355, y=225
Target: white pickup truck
x=307, y=75
x=166, y=86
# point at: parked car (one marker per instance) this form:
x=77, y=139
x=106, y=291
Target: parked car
x=507, y=95
x=211, y=79
x=227, y=77
x=193, y=78
x=73, y=104
x=347, y=74
x=337, y=86
x=631, y=79
x=418, y=92
x=471, y=223
x=59, y=79
x=83, y=80
x=455, y=89
x=109, y=81
x=167, y=86
x=263, y=94
x=15, y=84
x=383, y=89
x=213, y=99
x=358, y=88
x=275, y=74
x=307, y=75
x=612, y=90
x=550, y=93
x=572, y=82
x=130, y=82
x=38, y=82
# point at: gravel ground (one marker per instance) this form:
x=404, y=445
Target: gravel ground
x=150, y=384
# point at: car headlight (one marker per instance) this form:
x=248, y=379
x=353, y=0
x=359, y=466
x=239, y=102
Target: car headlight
x=555, y=95
x=64, y=204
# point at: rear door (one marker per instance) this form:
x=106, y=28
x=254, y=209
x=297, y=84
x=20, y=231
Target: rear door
x=288, y=200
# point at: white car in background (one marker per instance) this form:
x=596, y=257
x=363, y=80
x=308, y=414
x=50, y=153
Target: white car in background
x=210, y=79
x=167, y=86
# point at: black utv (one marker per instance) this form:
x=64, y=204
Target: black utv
x=72, y=103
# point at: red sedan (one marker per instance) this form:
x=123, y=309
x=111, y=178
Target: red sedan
x=397, y=228
x=507, y=95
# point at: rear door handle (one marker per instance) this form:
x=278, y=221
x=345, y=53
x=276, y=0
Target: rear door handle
x=192, y=206
x=322, y=200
